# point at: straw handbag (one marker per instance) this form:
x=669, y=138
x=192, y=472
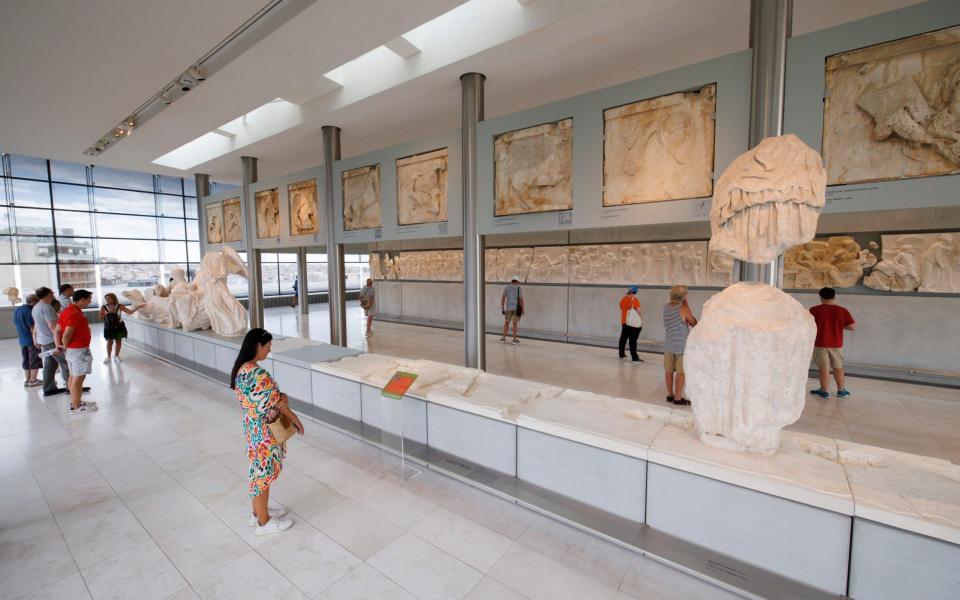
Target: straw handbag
x=282, y=429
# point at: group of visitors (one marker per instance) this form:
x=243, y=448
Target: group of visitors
x=54, y=334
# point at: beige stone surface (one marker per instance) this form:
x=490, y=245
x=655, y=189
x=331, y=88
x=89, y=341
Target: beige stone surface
x=422, y=188
x=361, y=198
x=892, y=110
x=719, y=268
x=491, y=264
x=432, y=265
x=925, y=262
x=667, y=263
x=660, y=149
x=533, y=169
x=831, y=262
x=551, y=264
x=267, y=203
x=214, y=223
x=304, y=210
x=594, y=264
x=375, y=262
x=232, y=221
x=768, y=200
x=515, y=262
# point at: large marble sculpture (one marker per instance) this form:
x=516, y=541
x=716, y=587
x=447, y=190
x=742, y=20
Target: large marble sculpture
x=13, y=295
x=551, y=264
x=747, y=359
x=659, y=149
x=304, y=215
x=232, y=221
x=215, y=223
x=186, y=302
x=768, y=200
x=892, y=110
x=267, y=203
x=719, y=268
x=227, y=316
x=925, y=262
x=533, y=169
x=833, y=262
x=361, y=198
x=422, y=188
x=152, y=305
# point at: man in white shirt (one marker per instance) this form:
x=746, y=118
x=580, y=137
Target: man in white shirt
x=45, y=323
x=66, y=295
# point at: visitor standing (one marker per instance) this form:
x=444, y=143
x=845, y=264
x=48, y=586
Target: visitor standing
x=262, y=404
x=45, y=318
x=631, y=322
x=23, y=320
x=114, y=329
x=66, y=295
x=512, y=307
x=831, y=320
x=677, y=321
x=296, y=284
x=368, y=302
x=73, y=333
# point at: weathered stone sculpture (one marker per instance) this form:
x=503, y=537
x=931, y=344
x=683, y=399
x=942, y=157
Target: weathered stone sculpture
x=215, y=223
x=422, y=188
x=768, y=200
x=268, y=213
x=304, y=219
x=747, y=359
x=361, y=198
x=151, y=306
x=186, y=303
x=13, y=295
x=227, y=316
x=837, y=261
x=925, y=262
x=533, y=169
x=232, y=221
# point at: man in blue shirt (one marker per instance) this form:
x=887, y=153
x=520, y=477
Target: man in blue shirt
x=23, y=319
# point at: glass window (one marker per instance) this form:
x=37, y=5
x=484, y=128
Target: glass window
x=192, y=271
x=80, y=276
x=193, y=251
x=238, y=286
x=35, y=249
x=68, y=172
x=30, y=193
x=193, y=230
x=173, y=229
x=174, y=252
x=316, y=258
x=190, y=186
x=5, y=228
x=216, y=187
x=288, y=274
x=354, y=276
x=34, y=276
x=119, y=201
x=268, y=257
x=8, y=273
x=72, y=250
x=287, y=257
x=118, y=178
x=317, y=277
x=70, y=196
x=126, y=226
x=6, y=251
x=129, y=251
x=167, y=271
x=191, y=205
x=33, y=221
x=170, y=185
x=28, y=166
x=171, y=206
x=270, y=276
x=73, y=223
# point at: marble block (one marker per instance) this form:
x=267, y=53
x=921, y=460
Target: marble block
x=422, y=188
x=746, y=363
x=768, y=200
x=214, y=223
x=493, y=396
x=361, y=368
x=267, y=203
x=804, y=470
x=361, y=198
x=925, y=262
x=533, y=169
x=304, y=211
x=917, y=493
x=232, y=220
x=836, y=261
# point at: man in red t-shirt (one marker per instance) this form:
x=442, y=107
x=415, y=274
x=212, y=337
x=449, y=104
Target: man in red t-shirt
x=73, y=339
x=831, y=320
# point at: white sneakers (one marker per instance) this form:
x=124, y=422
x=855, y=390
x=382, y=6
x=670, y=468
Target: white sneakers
x=106, y=361
x=274, y=525
x=275, y=513
x=84, y=408
x=117, y=359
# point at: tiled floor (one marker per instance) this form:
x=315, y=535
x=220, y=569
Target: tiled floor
x=146, y=499
x=911, y=418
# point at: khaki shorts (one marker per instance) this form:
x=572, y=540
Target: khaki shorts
x=828, y=358
x=511, y=316
x=80, y=361
x=673, y=363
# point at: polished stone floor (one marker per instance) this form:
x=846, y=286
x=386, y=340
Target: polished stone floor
x=146, y=499
x=911, y=418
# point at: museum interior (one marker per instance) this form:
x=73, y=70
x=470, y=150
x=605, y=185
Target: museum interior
x=480, y=299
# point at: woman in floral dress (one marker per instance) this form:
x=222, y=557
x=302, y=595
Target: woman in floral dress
x=262, y=404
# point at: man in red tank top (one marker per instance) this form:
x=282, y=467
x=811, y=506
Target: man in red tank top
x=831, y=320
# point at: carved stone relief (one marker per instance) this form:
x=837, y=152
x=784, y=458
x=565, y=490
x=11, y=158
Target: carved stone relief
x=491, y=262
x=892, y=110
x=659, y=149
x=768, y=200
x=390, y=266
x=422, y=188
x=375, y=266
x=267, y=203
x=432, y=265
x=232, y=221
x=719, y=268
x=668, y=263
x=551, y=264
x=533, y=169
x=215, y=223
x=361, y=198
x=594, y=264
x=832, y=262
x=515, y=262
x=925, y=262
x=304, y=211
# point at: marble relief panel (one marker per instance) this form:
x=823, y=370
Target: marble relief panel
x=232, y=220
x=550, y=264
x=214, y=223
x=924, y=262
x=515, y=262
x=832, y=262
x=719, y=268
x=533, y=169
x=491, y=262
x=659, y=149
x=304, y=210
x=668, y=263
x=594, y=264
x=361, y=198
x=892, y=111
x=422, y=188
x=267, y=203
x=433, y=265
x=376, y=261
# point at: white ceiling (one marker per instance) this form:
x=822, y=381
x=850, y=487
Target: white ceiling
x=69, y=71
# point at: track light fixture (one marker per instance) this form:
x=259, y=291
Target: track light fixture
x=197, y=73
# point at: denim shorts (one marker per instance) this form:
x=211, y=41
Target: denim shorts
x=80, y=361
